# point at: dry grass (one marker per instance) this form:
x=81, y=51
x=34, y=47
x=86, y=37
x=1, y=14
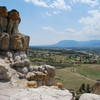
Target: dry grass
x=84, y=74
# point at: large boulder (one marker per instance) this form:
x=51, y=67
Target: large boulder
x=44, y=74
x=44, y=68
x=19, y=42
x=4, y=41
x=89, y=96
x=41, y=93
x=21, y=62
x=5, y=75
x=96, y=88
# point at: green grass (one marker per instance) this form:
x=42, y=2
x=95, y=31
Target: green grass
x=86, y=73
x=90, y=70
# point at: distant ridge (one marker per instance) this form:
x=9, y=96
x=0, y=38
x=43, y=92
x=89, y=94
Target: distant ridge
x=74, y=44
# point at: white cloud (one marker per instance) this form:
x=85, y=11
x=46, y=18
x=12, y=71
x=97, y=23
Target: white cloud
x=38, y=2
x=52, y=30
x=47, y=28
x=89, y=2
x=56, y=4
x=51, y=13
x=70, y=30
x=55, y=12
x=60, y=4
x=91, y=25
x=90, y=29
x=48, y=13
x=92, y=21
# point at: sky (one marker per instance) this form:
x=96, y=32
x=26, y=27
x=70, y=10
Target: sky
x=50, y=21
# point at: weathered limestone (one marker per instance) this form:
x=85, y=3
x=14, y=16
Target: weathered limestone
x=96, y=88
x=13, y=22
x=4, y=41
x=44, y=74
x=19, y=42
x=10, y=38
x=13, y=47
x=89, y=96
x=3, y=19
x=41, y=93
x=6, y=73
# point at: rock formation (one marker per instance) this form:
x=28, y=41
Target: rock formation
x=4, y=41
x=10, y=38
x=96, y=88
x=41, y=93
x=13, y=22
x=13, y=47
x=89, y=96
x=3, y=19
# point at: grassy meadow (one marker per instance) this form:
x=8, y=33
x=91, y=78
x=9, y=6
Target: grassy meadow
x=74, y=77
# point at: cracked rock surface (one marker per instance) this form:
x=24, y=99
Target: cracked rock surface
x=41, y=93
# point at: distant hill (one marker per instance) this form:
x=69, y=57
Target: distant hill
x=74, y=44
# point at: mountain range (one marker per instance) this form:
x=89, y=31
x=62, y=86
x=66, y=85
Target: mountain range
x=74, y=44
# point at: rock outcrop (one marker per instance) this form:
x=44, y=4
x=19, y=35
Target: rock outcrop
x=10, y=38
x=4, y=41
x=19, y=42
x=96, y=88
x=13, y=22
x=89, y=96
x=6, y=72
x=13, y=47
x=41, y=93
x=44, y=74
x=3, y=19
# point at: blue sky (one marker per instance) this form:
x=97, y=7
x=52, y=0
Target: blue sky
x=49, y=21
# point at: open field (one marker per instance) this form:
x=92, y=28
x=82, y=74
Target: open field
x=62, y=57
x=73, y=78
x=91, y=71
x=73, y=67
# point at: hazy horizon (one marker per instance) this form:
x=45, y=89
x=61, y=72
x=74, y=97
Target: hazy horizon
x=50, y=21
x=64, y=41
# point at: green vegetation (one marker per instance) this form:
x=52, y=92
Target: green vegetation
x=90, y=70
x=63, y=58
x=73, y=79
x=74, y=67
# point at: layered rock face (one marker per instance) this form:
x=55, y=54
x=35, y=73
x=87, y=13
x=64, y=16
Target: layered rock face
x=13, y=47
x=10, y=38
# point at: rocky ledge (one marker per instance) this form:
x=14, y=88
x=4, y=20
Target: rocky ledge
x=41, y=93
x=89, y=96
x=14, y=63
